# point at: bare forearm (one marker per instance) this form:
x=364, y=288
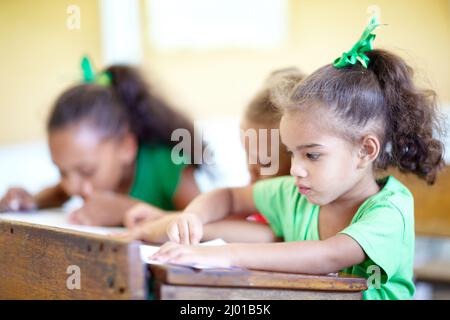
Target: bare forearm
x=237, y=229
x=218, y=204
x=310, y=257
x=212, y=206
x=51, y=197
x=293, y=257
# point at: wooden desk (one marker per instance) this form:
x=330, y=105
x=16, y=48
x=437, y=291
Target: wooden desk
x=34, y=260
x=179, y=283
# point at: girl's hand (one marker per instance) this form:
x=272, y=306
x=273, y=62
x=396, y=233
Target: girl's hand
x=140, y=212
x=186, y=229
x=102, y=208
x=150, y=230
x=215, y=256
x=17, y=199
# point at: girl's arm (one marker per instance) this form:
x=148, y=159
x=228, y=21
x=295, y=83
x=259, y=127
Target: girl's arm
x=209, y=207
x=236, y=229
x=187, y=189
x=17, y=199
x=310, y=257
x=51, y=197
x=220, y=203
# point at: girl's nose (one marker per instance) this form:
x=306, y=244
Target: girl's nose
x=297, y=170
x=72, y=185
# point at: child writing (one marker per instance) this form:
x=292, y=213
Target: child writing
x=110, y=138
x=347, y=119
x=260, y=114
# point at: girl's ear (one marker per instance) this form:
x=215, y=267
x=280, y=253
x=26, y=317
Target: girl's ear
x=128, y=147
x=368, y=151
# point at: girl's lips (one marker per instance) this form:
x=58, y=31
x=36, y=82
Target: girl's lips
x=303, y=190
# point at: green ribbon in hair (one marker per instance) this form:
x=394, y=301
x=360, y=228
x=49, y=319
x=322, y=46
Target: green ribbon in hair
x=89, y=75
x=357, y=52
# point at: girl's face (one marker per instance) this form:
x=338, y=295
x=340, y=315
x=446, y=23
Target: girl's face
x=325, y=166
x=280, y=160
x=88, y=162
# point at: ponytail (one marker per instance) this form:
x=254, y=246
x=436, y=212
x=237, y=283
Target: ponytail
x=150, y=118
x=411, y=119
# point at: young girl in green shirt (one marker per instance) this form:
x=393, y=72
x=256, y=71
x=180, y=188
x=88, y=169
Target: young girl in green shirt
x=110, y=138
x=347, y=119
x=260, y=116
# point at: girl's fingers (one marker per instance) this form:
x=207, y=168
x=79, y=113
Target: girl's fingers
x=173, y=233
x=195, y=232
x=73, y=218
x=180, y=228
x=28, y=203
x=167, y=247
x=184, y=230
x=77, y=217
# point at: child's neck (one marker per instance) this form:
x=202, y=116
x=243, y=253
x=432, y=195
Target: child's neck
x=354, y=198
x=128, y=179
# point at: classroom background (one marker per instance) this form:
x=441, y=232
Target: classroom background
x=208, y=57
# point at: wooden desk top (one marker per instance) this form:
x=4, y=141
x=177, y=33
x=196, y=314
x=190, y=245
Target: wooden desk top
x=179, y=275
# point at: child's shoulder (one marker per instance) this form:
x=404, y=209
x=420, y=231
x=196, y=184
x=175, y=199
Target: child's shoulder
x=393, y=196
x=393, y=191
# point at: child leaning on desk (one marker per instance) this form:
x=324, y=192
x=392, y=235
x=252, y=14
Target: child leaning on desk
x=347, y=119
x=260, y=117
x=110, y=138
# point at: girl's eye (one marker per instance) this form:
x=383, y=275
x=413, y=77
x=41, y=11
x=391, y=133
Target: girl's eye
x=313, y=156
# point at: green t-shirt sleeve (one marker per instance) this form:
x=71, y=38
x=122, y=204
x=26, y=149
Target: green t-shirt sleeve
x=270, y=201
x=380, y=232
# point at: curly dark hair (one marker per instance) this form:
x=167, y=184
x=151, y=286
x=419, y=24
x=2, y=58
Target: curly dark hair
x=384, y=95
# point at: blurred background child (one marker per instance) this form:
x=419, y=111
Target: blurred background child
x=112, y=145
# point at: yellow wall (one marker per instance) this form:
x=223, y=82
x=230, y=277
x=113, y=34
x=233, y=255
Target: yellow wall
x=39, y=55
x=219, y=83
x=38, y=58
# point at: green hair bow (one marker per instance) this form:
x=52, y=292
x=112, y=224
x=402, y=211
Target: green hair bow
x=357, y=52
x=89, y=75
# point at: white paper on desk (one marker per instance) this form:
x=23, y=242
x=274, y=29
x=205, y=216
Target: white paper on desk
x=147, y=251
x=56, y=218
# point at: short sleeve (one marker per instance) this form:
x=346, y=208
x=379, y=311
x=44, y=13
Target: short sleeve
x=270, y=200
x=381, y=234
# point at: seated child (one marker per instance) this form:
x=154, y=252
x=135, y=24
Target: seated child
x=340, y=124
x=260, y=116
x=110, y=138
